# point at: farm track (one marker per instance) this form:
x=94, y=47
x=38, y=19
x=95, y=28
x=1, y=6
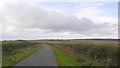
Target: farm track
x=43, y=57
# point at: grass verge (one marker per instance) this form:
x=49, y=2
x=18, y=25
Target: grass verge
x=12, y=59
x=63, y=59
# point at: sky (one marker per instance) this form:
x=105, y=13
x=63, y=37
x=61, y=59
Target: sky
x=58, y=19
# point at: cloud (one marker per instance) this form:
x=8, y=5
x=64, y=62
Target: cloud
x=24, y=16
x=21, y=20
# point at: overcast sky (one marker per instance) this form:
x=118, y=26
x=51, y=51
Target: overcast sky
x=58, y=19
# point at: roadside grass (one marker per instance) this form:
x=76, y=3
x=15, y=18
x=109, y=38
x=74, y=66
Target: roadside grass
x=0, y=61
x=91, y=55
x=0, y=54
x=63, y=59
x=12, y=59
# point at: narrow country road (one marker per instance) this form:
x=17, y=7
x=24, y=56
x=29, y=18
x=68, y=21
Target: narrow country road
x=43, y=57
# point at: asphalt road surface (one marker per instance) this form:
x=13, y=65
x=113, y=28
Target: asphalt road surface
x=43, y=57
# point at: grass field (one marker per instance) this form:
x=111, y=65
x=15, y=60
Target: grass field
x=68, y=52
x=15, y=51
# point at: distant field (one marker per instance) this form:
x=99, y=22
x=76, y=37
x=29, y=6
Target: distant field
x=113, y=42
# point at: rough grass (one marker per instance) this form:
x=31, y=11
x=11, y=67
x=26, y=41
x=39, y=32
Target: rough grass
x=10, y=47
x=14, y=57
x=91, y=54
x=0, y=61
x=63, y=59
x=84, y=52
x=0, y=53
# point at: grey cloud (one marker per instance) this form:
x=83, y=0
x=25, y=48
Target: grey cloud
x=24, y=16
